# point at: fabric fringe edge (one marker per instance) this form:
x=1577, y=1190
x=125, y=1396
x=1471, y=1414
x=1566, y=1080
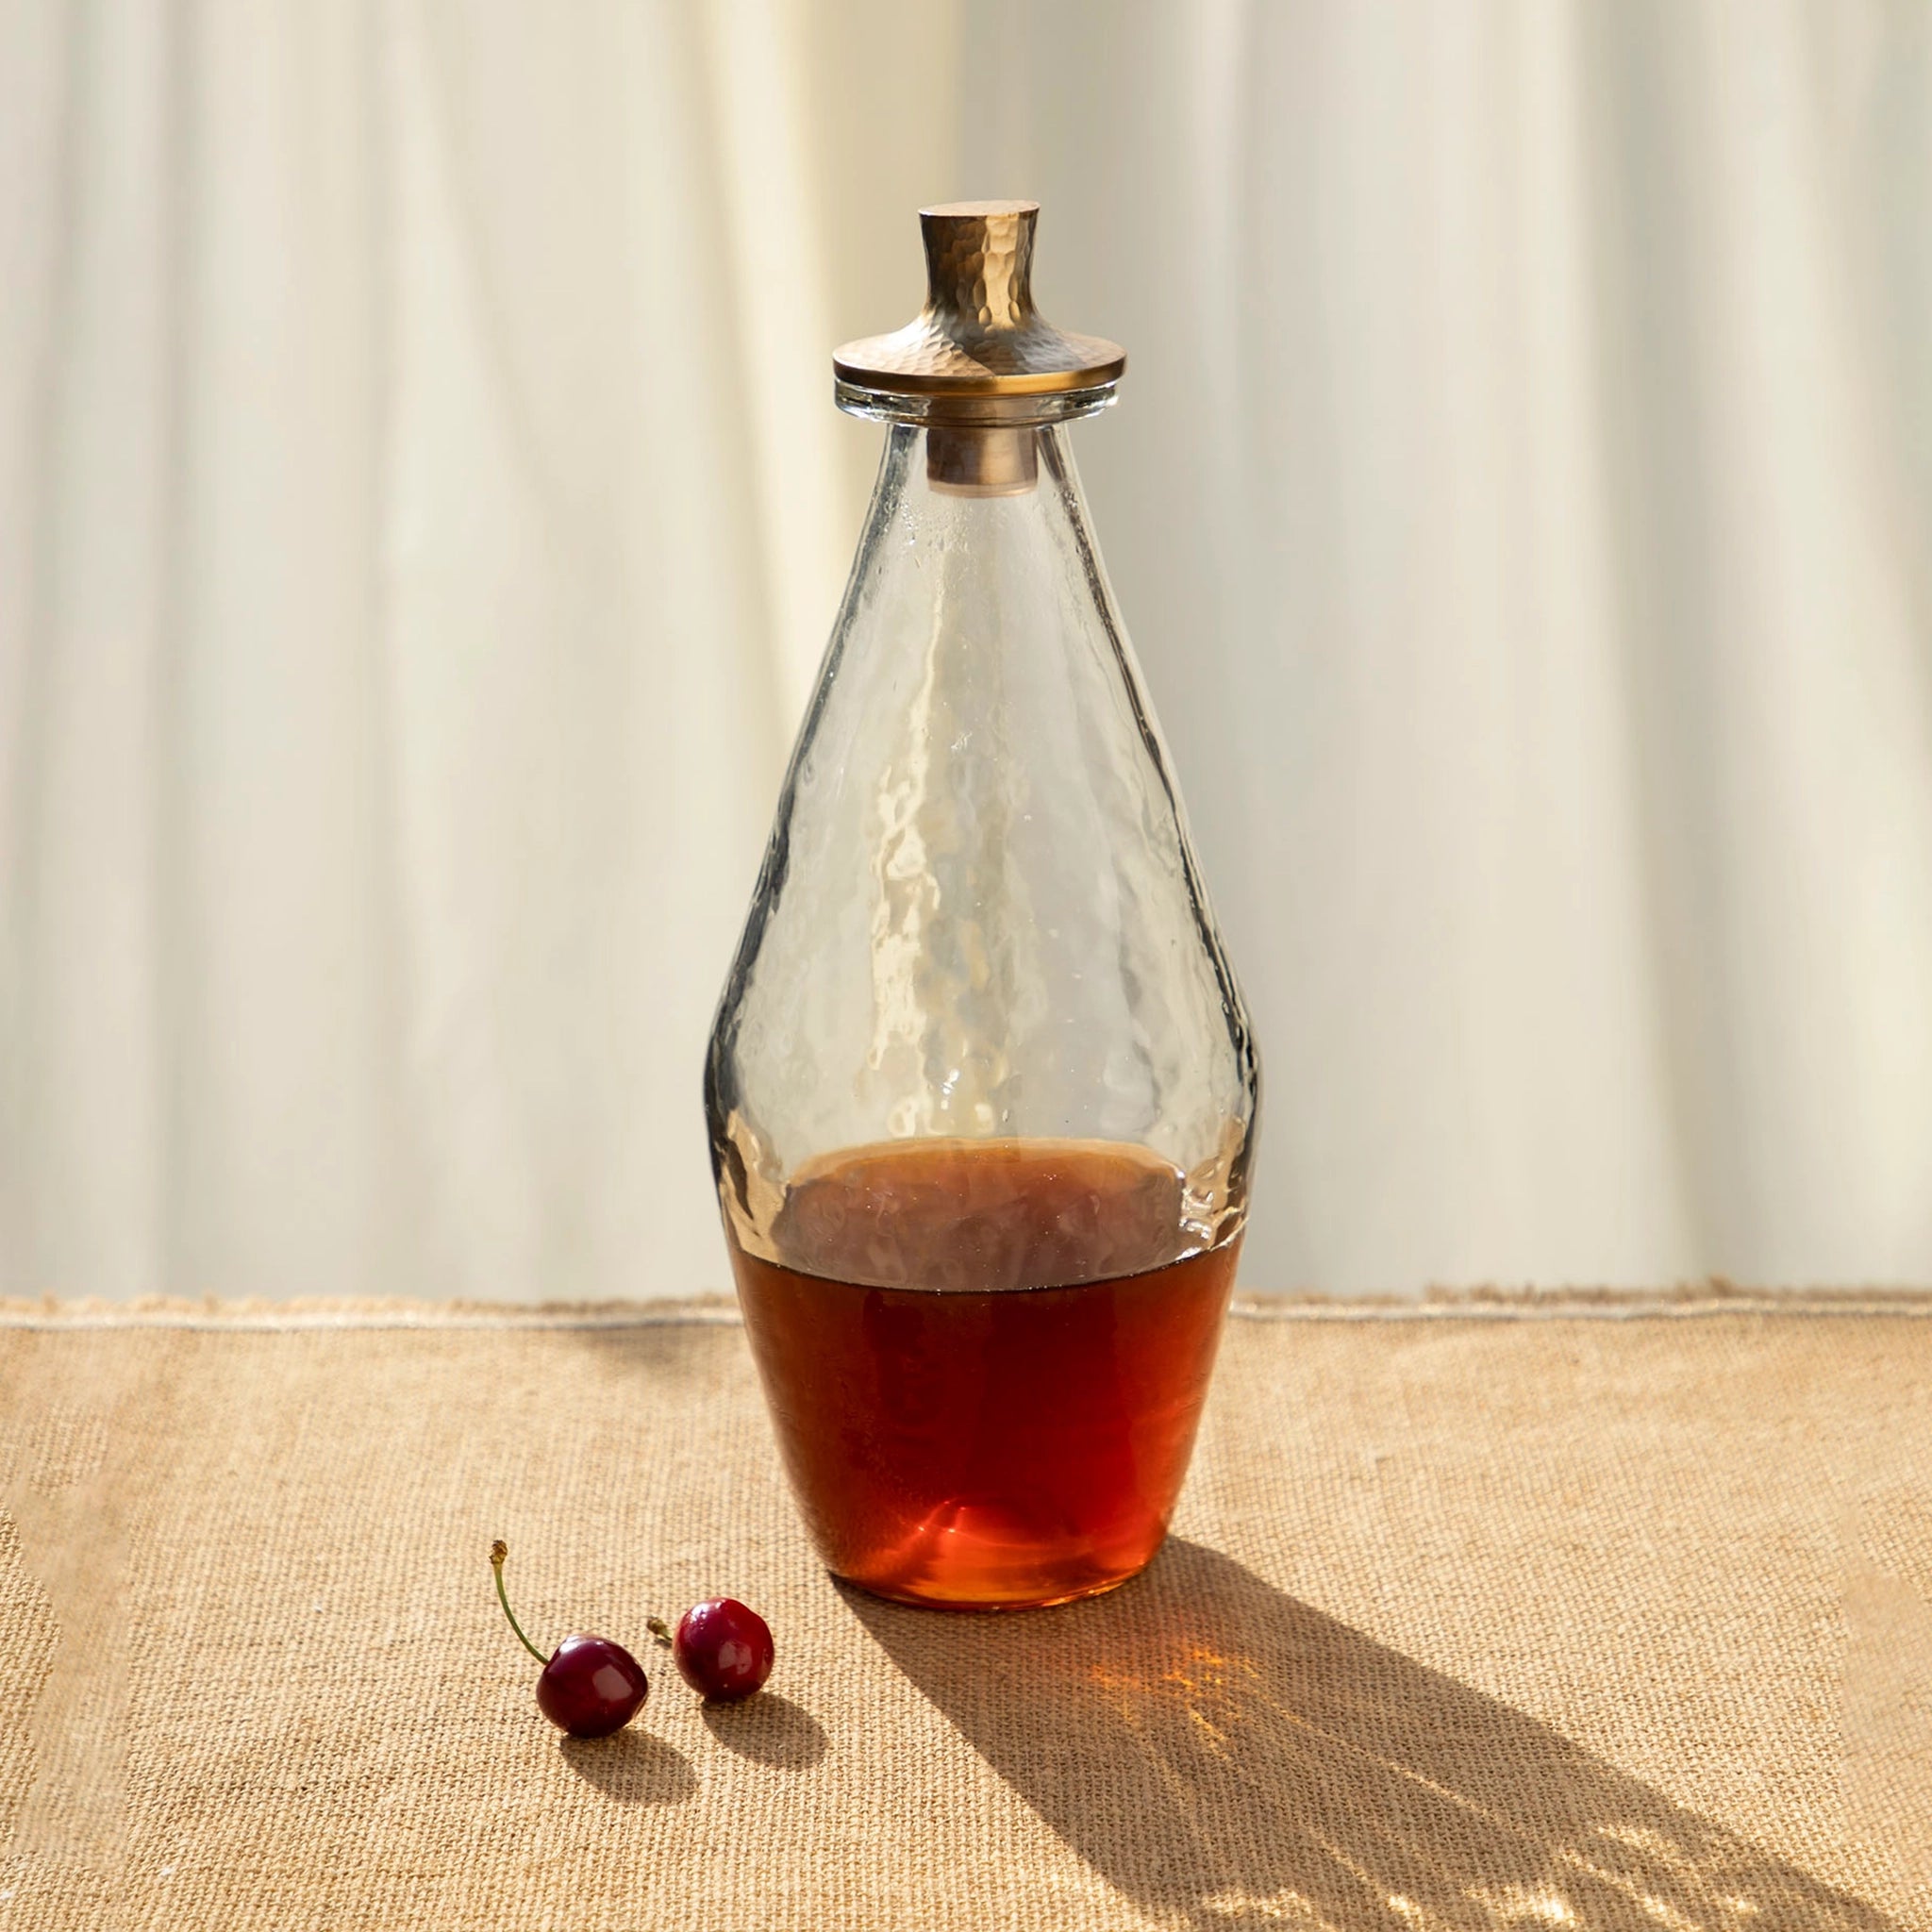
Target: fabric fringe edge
x=1716, y=1297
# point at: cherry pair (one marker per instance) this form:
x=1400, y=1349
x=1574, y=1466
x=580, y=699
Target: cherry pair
x=592, y=1687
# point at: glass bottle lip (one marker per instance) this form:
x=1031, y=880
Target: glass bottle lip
x=973, y=412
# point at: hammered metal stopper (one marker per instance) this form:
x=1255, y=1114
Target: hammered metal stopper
x=979, y=365
x=980, y=278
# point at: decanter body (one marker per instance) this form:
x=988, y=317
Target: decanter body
x=981, y=1089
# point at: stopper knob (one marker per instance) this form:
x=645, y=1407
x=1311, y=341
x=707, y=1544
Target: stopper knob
x=980, y=337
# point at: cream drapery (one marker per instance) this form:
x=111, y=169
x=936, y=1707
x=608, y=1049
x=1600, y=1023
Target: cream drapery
x=422, y=507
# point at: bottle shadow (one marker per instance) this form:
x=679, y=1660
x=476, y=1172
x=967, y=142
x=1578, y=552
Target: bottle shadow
x=768, y=1729
x=1225, y=1754
x=631, y=1766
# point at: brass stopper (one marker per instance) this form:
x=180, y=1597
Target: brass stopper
x=980, y=365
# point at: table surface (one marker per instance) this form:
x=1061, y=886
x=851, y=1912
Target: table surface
x=1598, y=1614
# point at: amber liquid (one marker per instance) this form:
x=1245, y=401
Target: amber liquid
x=984, y=1362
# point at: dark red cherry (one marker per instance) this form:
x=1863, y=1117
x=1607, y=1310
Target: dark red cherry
x=592, y=1687
x=723, y=1650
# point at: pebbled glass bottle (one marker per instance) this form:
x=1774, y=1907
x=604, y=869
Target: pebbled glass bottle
x=981, y=1089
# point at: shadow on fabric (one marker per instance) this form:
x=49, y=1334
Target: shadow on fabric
x=1224, y=1753
x=770, y=1730
x=632, y=1767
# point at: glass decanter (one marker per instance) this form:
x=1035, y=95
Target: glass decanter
x=981, y=1089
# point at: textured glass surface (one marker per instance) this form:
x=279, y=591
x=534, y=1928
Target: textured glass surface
x=978, y=917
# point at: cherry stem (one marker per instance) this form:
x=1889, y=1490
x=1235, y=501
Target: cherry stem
x=499, y=1551
x=659, y=1629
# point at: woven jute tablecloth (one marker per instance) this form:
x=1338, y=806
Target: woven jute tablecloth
x=1618, y=1615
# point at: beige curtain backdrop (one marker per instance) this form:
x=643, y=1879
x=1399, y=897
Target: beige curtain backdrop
x=422, y=507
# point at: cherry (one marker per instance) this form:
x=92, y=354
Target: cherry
x=722, y=1649
x=590, y=1686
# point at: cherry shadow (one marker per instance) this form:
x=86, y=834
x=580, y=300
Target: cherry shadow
x=631, y=1766
x=769, y=1729
x=1223, y=1755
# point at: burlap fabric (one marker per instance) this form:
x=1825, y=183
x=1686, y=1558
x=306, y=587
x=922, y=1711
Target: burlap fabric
x=1613, y=1618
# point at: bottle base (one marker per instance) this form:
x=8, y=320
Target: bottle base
x=989, y=1606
